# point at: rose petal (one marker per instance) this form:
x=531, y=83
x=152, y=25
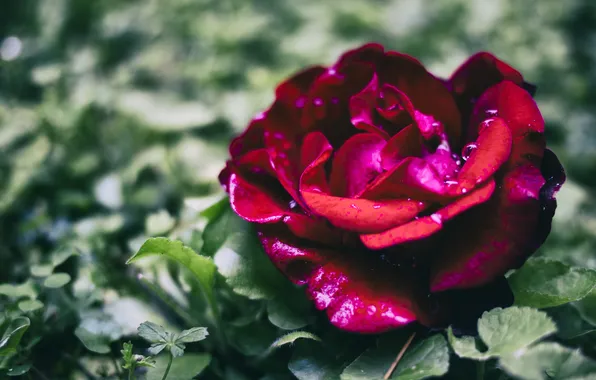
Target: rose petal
x=359, y=292
x=478, y=73
x=491, y=150
x=491, y=239
x=355, y=164
x=292, y=92
x=427, y=93
x=412, y=178
x=516, y=107
x=406, y=143
x=428, y=225
x=370, y=53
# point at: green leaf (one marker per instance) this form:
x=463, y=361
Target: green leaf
x=311, y=361
x=184, y=368
x=587, y=307
x=253, y=339
x=549, y=361
x=132, y=361
x=202, y=267
x=12, y=335
x=17, y=291
x=177, y=350
x=504, y=331
x=425, y=358
x=245, y=266
x=289, y=339
x=62, y=254
x=221, y=224
x=542, y=283
x=289, y=310
x=93, y=342
x=152, y=332
x=192, y=335
x=27, y=306
x=159, y=223
x=42, y=270
x=570, y=323
x=19, y=370
x=57, y=280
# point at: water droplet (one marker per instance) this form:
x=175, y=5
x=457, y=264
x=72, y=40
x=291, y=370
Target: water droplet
x=409, y=199
x=492, y=112
x=354, y=206
x=437, y=218
x=331, y=71
x=371, y=309
x=451, y=183
x=468, y=150
x=260, y=116
x=464, y=190
x=292, y=204
x=420, y=204
x=318, y=102
x=300, y=102
x=376, y=207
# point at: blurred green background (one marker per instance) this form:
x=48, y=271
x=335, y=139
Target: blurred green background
x=112, y=112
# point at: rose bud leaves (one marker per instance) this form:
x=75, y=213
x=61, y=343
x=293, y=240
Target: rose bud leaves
x=394, y=196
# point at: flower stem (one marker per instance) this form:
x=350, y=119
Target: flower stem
x=130, y=371
x=480, y=370
x=399, y=356
x=165, y=374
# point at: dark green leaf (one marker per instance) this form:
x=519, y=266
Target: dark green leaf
x=17, y=291
x=93, y=342
x=183, y=368
x=57, y=280
x=311, y=361
x=42, y=270
x=570, y=323
x=19, y=370
x=504, y=331
x=221, y=224
x=549, y=361
x=544, y=283
x=289, y=310
x=587, y=307
x=12, y=335
x=192, y=335
x=253, y=339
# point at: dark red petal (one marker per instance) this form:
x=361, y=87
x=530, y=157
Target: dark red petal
x=479, y=72
x=406, y=143
x=252, y=138
x=491, y=239
x=490, y=151
x=355, y=164
x=368, y=54
x=412, y=178
x=360, y=294
x=428, y=225
x=363, y=103
x=313, y=228
x=254, y=203
x=293, y=91
x=511, y=103
x=427, y=93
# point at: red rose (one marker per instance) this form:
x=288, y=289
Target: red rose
x=379, y=186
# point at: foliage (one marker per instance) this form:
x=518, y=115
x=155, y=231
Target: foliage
x=115, y=117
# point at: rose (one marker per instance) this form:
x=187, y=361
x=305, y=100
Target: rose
x=388, y=192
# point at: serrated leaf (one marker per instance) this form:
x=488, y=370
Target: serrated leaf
x=291, y=338
x=504, y=331
x=93, y=342
x=194, y=334
x=201, y=267
x=156, y=348
x=542, y=283
x=17, y=291
x=41, y=270
x=27, y=306
x=253, y=339
x=12, y=335
x=126, y=352
x=587, y=307
x=289, y=310
x=152, y=332
x=57, y=280
x=549, y=361
x=221, y=224
x=184, y=368
x=570, y=323
x=245, y=266
x=425, y=358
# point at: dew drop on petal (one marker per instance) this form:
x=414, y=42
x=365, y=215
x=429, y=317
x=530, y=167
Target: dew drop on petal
x=376, y=207
x=318, y=102
x=354, y=206
x=437, y=218
x=492, y=112
x=468, y=150
x=300, y=102
x=464, y=190
x=292, y=204
x=451, y=183
x=371, y=309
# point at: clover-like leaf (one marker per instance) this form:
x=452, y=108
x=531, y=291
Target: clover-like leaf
x=41, y=270
x=545, y=283
x=194, y=334
x=25, y=289
x=425, y=358
x=156, y=348
x=12, y=335
x=504, y=331
x=28, y=306
x=549, y=361
x=177, y=349
x=152, y=332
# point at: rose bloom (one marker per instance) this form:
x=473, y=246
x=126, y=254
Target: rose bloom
x=395, y=196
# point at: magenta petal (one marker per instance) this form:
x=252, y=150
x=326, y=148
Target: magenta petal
x=356, y=163
x=254, y=203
